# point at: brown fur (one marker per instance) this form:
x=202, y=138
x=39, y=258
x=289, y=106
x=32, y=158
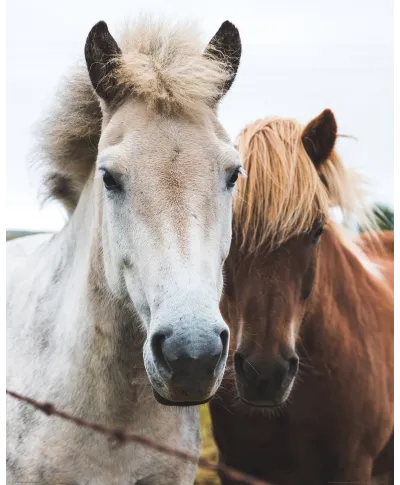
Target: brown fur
x=337, y=423
x=384, y=247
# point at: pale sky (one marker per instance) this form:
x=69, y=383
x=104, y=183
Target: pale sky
x=299, y=57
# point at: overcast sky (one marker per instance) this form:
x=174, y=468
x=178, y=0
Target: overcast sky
x=299, y=57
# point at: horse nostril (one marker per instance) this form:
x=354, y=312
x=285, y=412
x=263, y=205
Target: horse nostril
x=177, y=357
x=224, y=336
x=238, y=361
x=245, y=369
x=157, y=342
x=293, y=365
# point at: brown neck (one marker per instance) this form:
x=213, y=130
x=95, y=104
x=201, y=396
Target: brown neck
x=346, y=296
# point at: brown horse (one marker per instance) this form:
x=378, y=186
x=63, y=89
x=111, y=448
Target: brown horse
x=308, y=397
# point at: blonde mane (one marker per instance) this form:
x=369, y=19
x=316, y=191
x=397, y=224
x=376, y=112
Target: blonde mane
x=284, y=194
x=163, y=65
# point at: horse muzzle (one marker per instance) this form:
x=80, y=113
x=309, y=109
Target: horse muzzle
x=187, y=371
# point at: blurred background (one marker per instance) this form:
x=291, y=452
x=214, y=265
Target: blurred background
x=299, y=57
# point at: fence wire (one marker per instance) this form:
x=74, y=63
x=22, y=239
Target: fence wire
x=120, y=436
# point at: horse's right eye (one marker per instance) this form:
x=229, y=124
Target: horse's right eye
x=234, y=176
x=109, y=181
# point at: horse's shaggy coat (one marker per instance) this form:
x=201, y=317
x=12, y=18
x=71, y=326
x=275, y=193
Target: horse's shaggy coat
x=134, y=150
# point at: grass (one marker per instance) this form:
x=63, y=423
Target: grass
x=208, y=449
x=14, y=234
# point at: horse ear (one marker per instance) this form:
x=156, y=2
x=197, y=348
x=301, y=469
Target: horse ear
x=101, y=53
x=319, y=137
x=226, y=47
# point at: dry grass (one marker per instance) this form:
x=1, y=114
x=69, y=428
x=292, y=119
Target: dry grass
x=208, y=449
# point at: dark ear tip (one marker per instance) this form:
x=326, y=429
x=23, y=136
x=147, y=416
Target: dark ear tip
x=99, y=29
x=327, y=113
x=229, y=27
x=327, y=118
x=101, y=25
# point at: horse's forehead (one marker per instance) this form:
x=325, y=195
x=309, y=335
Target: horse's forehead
x=147, y=144
x=173, y=168
x=134, y=119
x=273, y=267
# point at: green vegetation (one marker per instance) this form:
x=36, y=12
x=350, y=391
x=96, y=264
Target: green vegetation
x=13, y=234
x=384, y=217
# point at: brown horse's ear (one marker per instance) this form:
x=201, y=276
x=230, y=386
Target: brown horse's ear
x=101, y=54
x=319, y=137
x=226, y=47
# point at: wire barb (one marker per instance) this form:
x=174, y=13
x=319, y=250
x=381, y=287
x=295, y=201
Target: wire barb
x=122, y=436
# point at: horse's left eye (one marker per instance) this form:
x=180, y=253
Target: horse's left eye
x=317, y=235
x=232, y=179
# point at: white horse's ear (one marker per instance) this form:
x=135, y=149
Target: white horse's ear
x=319, y=137
x=102, y=58
x=226, y=47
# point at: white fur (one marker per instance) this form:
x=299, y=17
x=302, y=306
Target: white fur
x=352, y=242
x=369, y=266
x=82, y=304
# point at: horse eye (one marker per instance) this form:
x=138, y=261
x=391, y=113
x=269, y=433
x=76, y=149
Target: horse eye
x=233, y=178
x=109, y=181
x=317, y=235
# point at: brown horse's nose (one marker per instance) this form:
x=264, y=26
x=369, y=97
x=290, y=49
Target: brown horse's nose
x=265, y=382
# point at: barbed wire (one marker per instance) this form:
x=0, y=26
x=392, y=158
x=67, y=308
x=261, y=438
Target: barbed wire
x=121, y=437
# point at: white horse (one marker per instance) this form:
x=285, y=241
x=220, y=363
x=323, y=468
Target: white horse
x=121, y=308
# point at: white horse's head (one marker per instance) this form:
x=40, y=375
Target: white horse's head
x=165, y=173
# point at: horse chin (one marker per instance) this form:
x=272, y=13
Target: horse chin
x=166, y=402
x=262, y=404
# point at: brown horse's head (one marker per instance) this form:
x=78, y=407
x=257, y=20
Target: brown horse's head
x=265, y=302
x=294, y=177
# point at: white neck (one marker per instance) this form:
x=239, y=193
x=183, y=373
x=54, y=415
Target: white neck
x=103, y=332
